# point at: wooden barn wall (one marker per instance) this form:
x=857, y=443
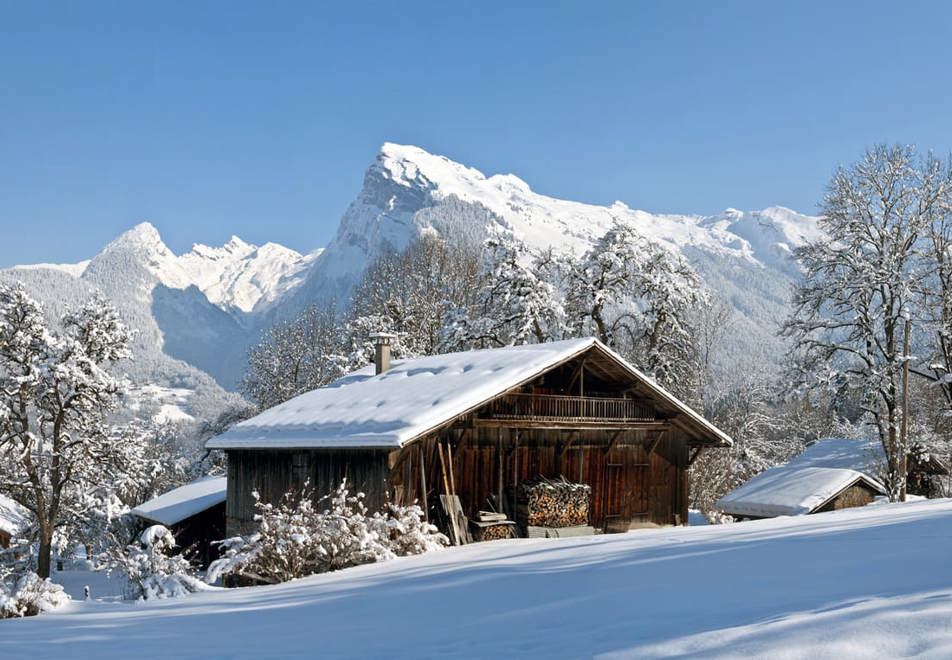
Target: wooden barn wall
x=628, y=487
x=858, y=495
x=196, y=536
x=273, y=473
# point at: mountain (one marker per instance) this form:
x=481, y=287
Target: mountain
x=197, y=313
x=744, y=257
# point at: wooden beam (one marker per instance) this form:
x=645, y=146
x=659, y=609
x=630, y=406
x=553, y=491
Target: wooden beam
x=500, y=459
x=426, y=509
x=449, y=462
x=643, y=425
x=655, y=443
x=573, y=436
x=697, y=452
x=575, y=376
x=457, y=540
x=613, y=438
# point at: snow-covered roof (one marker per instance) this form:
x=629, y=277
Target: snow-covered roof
x=416, y=396
x=13, y=517
x=860, y=455
x=791, y=491
x=184, y=502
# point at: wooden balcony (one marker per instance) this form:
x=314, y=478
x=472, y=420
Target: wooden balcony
x=566, y=411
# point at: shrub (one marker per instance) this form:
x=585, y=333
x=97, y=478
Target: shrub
x=152, y=571
x=27, y=594
x=295, y=539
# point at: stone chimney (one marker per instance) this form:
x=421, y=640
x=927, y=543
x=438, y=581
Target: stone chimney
x=382, y=341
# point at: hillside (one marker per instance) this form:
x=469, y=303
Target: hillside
x=197, y=313
x=858, y=583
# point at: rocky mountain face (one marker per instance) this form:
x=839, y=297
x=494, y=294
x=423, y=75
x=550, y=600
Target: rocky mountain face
x=744, y=257
x=197, y=313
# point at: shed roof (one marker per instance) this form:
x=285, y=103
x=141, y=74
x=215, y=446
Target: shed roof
x=861, y=455
x=791, y=491
x=416, y=396
x=184, y=502
x=13, y=516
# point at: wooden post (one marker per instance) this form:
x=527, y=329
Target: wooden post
x=904, y=428
x=501, y=476
x=446, y=486
x=426, y=508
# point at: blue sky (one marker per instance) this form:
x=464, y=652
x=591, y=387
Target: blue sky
x=213, y=118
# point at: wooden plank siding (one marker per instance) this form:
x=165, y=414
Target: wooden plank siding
x=273, y=473
x=628, y=486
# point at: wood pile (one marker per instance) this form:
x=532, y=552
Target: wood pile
x=553, y=503
x=494, y=531
x=491, y=526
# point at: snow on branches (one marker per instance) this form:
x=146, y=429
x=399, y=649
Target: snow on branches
x=27, y=594
x=876, y=269
x=295, y=538
x=55, y=393
x=150, y=568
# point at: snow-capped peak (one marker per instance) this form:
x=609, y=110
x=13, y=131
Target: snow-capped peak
x=543, y=221
x=235, y=276
x=234, y=247
x=143, y=235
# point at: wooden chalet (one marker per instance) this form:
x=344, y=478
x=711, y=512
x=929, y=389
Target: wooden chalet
x=500, y=416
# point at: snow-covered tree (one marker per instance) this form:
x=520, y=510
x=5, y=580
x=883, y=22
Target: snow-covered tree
x=410, y=294
x=938, y=293
x=150, y=568
x=55, y=394
x=638, y=297
x=295, y=356
x=864, y=280
x=27, y=594
x=519, y=301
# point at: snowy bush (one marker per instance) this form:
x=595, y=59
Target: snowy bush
x=295, y=539
x=405, y=531
x=27, y=594
x=151, y=571
x=719, y=518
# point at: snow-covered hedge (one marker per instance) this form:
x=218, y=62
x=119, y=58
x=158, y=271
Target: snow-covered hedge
x=27, y=594
x=295, y=538
x=151, y=571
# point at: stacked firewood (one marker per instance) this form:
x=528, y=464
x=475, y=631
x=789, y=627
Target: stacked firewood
x=553, y=503
x=492, y=526
x=494, y=532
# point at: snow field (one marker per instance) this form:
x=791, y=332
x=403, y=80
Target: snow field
x=861, y=583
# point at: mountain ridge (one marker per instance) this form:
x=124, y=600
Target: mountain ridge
x=206, y=306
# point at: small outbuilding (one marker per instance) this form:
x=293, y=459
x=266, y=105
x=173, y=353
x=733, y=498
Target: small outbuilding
x=479, y=424
x=195, y=513
x=927, y=473
x=13, y=520
x=797, y=491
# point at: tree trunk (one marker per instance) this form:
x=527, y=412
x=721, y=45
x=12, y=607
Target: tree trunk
x=44, y=559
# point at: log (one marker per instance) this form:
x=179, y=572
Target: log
x=553, y=503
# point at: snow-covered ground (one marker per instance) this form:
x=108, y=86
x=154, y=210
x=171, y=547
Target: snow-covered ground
x=873, y=582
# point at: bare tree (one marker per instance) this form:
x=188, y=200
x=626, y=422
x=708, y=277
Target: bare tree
x=295, y=356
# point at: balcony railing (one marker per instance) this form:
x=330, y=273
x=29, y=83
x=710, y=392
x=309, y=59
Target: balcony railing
x=560, y=407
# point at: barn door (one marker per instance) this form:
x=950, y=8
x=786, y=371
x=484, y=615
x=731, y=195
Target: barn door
x=626, y=479
x=615, y=495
